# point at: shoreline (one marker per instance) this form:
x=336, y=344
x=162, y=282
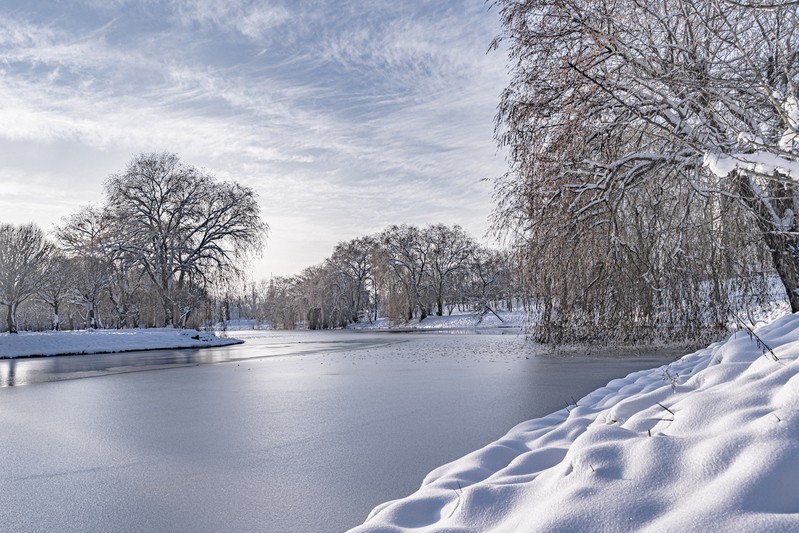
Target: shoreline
x=34, y=345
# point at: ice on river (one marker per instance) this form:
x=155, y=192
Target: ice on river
x=291, y=431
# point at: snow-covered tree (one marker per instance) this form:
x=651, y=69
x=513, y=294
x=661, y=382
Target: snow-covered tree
x=25, y=260
x=620, y=120
x=57, y=287
x=182, y=227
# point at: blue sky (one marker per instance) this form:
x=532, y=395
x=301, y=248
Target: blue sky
x=344, y=116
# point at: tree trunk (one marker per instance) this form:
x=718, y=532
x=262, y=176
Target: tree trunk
x=11, y=319
x=782, y=242
x=184, y=318
x=785, y=255
x=169, y=313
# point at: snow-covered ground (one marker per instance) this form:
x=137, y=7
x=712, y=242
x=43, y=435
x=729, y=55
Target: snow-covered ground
x=26, y=344
x=709, y=442
x=456, y=321
x=462, y=321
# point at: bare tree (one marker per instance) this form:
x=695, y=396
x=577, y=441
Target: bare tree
x=405, y=258
x=281, y=303
x=489, y=271
x=621, y=120
x=450, y=250
x=85, y=237
x=401, y=272
x=354, y=261
x=25, y=260
x=182, y=227
x=57, y=287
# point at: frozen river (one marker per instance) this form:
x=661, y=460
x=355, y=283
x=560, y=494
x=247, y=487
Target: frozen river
x=292, y=431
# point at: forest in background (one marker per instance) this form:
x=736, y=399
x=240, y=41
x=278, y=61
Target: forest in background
x=403, y=273
x=170, y=247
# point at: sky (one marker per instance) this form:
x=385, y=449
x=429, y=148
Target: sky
x=344, y=116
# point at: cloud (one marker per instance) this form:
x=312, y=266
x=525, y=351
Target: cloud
x=253, y=20
x=257, y=22
x=348, y=116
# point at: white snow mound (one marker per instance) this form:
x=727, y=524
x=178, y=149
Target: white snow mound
x=707, y=443
x=26, y=344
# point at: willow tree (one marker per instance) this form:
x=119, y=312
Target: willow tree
x=615, y=120
x=353, y=262
x=182, y=226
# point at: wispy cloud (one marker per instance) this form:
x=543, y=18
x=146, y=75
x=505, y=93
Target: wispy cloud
x=346, y=116
x=254, y=20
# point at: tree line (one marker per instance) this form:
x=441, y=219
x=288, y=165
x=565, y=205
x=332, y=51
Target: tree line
x=152, y=254
x=653, y=152
x=169, y=244
x=403, y=273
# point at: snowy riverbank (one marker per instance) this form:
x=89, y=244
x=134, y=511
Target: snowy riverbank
x=459, y=321
x=709, y=442
x=516, y=320
x=26, y=344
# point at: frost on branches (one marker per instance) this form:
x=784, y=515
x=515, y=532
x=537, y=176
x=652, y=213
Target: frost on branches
x=756, y=158
x=766, y=176
x=643, y=209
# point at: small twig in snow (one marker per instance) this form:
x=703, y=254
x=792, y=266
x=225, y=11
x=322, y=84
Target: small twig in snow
x=459, y=492
x=764, y=348
x=664, y=407
x=672, y=380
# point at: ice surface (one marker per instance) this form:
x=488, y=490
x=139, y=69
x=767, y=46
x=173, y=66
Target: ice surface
x=297, y=432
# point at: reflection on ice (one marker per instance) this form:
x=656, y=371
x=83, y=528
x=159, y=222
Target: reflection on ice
x=259, y=344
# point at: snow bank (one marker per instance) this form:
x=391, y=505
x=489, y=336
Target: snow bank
x=104, y=341
x=709, y=442
x=464, y=321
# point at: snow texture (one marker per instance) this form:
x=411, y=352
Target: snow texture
x=709, y=442
x=26, y=344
